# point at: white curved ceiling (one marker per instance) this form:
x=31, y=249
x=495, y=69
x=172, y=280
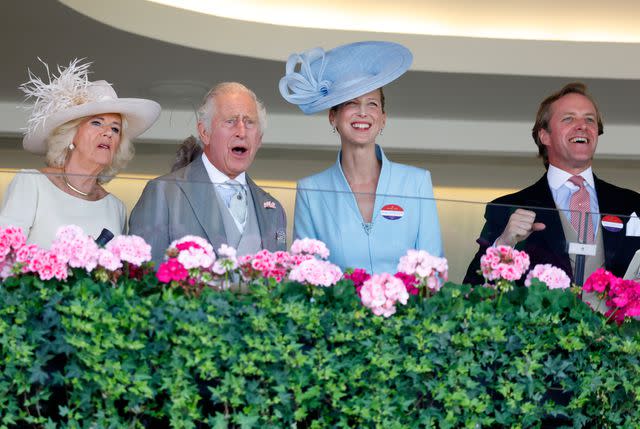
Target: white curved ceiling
x=579, y=21
x=588, y=38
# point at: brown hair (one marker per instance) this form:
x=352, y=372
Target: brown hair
x=544, y=114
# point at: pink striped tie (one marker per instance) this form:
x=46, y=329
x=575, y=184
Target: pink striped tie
x=580, y=208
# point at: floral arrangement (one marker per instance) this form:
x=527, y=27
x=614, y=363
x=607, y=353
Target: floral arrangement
x=192, y=264
x=622, y=297
x=71, y=248
x=501, y=266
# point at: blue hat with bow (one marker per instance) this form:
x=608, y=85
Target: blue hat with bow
x=326, y=79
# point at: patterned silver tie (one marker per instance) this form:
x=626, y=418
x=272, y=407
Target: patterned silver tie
x=237, y=202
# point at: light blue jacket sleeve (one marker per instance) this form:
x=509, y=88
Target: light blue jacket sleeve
x=303, y=222
x=429, y=237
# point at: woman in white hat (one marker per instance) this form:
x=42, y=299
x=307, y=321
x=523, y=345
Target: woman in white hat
x=368, y=210
x=85, y=132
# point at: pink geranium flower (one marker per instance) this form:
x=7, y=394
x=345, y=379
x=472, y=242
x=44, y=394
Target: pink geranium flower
x=171, y=270
x=381, y=293
x=622, y=297
x=130, y=248
x=75, y=248
x=358, y=277
x=13, y=249
x=227, y=261
x=598, y=281
x=504, y=263
x=108, y=260
x=194, y=252
x=553, y=277
x=410, y=281
x=316, y=273
x=48, y=265
x=428, y=270
x=310, y=246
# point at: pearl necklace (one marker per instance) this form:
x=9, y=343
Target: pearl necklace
x=70, y=186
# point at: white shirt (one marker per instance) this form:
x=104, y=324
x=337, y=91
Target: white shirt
x=562, y=190
x=218, y=178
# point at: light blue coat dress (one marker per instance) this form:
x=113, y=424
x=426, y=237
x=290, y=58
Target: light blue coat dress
x=404, y=216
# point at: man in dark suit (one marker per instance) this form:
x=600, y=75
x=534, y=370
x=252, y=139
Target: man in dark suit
x=212, y=196
x=538, y=219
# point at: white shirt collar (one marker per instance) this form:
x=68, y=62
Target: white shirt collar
x=217, y=177
x=557, y=177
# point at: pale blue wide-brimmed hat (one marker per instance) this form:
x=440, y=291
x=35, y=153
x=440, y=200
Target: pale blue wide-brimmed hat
x=326, y=79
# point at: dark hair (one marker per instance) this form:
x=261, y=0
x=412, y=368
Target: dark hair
x=544, y=114
x=187, y=152
x=335, y=108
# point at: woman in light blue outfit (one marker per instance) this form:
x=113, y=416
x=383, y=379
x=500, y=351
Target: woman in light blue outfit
x=368, y=210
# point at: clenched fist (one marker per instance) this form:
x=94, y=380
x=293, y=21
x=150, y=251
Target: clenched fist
x=521, y=224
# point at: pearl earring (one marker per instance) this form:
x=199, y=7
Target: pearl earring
x=71, y=146
x=381, y=129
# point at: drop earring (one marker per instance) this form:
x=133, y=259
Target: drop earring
x=380, y=132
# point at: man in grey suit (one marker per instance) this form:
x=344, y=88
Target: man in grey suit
x=212, y=196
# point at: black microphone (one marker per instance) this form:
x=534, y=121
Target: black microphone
x=104, y=237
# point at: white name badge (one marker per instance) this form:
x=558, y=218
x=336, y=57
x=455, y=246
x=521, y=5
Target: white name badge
x=582, y=249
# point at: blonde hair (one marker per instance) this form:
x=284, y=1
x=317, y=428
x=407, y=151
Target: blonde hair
x=58, y=148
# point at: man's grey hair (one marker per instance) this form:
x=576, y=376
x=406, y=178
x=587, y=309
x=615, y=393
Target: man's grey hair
x=206, y=111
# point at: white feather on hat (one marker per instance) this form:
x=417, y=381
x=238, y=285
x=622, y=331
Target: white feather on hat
x=70, y=95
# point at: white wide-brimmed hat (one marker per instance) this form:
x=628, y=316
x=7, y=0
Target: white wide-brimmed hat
x=70, y=95
x=326, y=79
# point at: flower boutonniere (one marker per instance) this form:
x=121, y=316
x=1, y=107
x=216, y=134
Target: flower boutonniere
x=269, y=205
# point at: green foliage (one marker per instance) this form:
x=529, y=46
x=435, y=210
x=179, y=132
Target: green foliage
x=88, y=354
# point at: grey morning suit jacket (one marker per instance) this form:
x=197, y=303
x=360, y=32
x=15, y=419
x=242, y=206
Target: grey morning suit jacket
x=184, y=202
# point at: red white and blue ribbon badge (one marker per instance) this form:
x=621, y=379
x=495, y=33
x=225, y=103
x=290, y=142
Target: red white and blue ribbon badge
x=612, y=223
x=392, y=212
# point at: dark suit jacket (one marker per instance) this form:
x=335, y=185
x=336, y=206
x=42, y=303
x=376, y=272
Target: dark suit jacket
x=184, y=202
x=550, y=246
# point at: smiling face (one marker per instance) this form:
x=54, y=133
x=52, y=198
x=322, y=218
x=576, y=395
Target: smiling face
x=233, y=137
x=359, y=120
x=572, y=134
x=97, y=140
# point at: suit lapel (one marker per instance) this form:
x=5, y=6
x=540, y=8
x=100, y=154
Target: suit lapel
x=266, y=216
x=547, y=213
x=607, y=204
x=200, y=192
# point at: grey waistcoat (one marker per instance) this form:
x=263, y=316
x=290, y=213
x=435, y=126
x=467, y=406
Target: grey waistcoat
x=591, y=263
x=250, y=240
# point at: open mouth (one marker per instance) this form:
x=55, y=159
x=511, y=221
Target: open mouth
x=239, y=150
x=579, y=140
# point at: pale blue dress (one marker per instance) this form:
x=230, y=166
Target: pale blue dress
x=404, y=216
